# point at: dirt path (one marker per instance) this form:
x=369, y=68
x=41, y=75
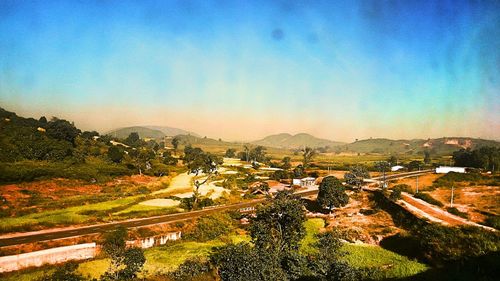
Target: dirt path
x=181, y=183
x=435, y=214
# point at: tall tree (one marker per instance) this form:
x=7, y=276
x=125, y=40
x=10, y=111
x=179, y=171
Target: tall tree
x=286, y=163
x=230, y=153
x=125, y=262
x=278, y=226
x=115, y=154
x=175, y=143
x=200, y=162
x=307, y=155
x=62, y=130
x=332, y=193
x=427, y=157
x=356, y=176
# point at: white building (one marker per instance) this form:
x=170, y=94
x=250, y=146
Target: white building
x=304, y=182
x=447, y=169
x=396, y=168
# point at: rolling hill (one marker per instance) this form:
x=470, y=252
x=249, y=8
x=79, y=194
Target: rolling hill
x=289, y=141
x=439, y=146
x=155, y=132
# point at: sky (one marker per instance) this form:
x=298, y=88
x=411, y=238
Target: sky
x=241, y=70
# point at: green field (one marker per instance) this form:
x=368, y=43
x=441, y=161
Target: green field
x=68, y=216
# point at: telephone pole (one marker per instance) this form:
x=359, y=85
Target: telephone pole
x=451, y=200
x=417, y=178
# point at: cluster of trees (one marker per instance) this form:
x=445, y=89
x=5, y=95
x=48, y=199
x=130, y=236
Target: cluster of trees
x=273, y=253
x=58, y=141
x=30, y=139
x=487, y=158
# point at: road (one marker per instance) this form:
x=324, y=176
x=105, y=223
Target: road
x=53, y=234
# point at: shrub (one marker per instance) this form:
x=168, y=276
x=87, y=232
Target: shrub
x=493, y=221
x=211, y=227
x=403, y=188
x=457, y=212
x=429, y=199
x=395, y=195
x=441, y=244
x=190, y=269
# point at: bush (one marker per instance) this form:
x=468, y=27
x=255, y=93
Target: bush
x=441, y=244
x=429, y=199
x=395, y=195
x=493, y=221
x=403, y=188
x=211, y=227
x=456, y=212
x=191, y=269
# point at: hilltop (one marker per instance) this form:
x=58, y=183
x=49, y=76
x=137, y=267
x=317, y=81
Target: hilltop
x=289, y=141
x=154, y=132
x=442, y=146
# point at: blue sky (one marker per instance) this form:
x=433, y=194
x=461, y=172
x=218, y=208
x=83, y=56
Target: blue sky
x=244, y=69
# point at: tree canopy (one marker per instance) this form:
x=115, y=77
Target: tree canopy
x=332, y=193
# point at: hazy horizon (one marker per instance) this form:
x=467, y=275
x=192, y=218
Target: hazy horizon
x=243, y=70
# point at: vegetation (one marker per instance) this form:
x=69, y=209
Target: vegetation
x=125, y=262
x=356, y=175
x=485, y=157
x=332, y=193
x=428, y=198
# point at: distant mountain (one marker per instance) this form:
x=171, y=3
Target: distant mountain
x=155, y=132
x=170, y=132
x=441, y=146
x=295, y=141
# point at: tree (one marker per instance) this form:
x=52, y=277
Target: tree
x=327, y=264
x=141, y=158
x=286, y=163
x=307, y=156
x=115, y=154
x=356, y=176
x=332, y=193
x=299, y=171
x=133, y=139
x=241, y=262
x=62, y=130
x=89, y=134
x=258, y=154
x=175, y=143
x=278, y=225
x=197, y=162
x=230, y=153
x=125, y=262
x=414, y=165
x=393, y=160
x=168, y=159
x=427, y=157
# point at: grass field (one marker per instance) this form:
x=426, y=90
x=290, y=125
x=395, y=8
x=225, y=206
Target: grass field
x=312, y=227
x=68, y=216
x=382, y=263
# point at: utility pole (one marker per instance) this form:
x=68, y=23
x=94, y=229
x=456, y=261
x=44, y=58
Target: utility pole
x=451, y=200
x=417, y=178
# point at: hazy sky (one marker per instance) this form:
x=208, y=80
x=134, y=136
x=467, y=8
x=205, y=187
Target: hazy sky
x=240, y=70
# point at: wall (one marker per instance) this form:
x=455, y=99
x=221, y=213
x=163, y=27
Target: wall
x=73, y=253
x=49, y=256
